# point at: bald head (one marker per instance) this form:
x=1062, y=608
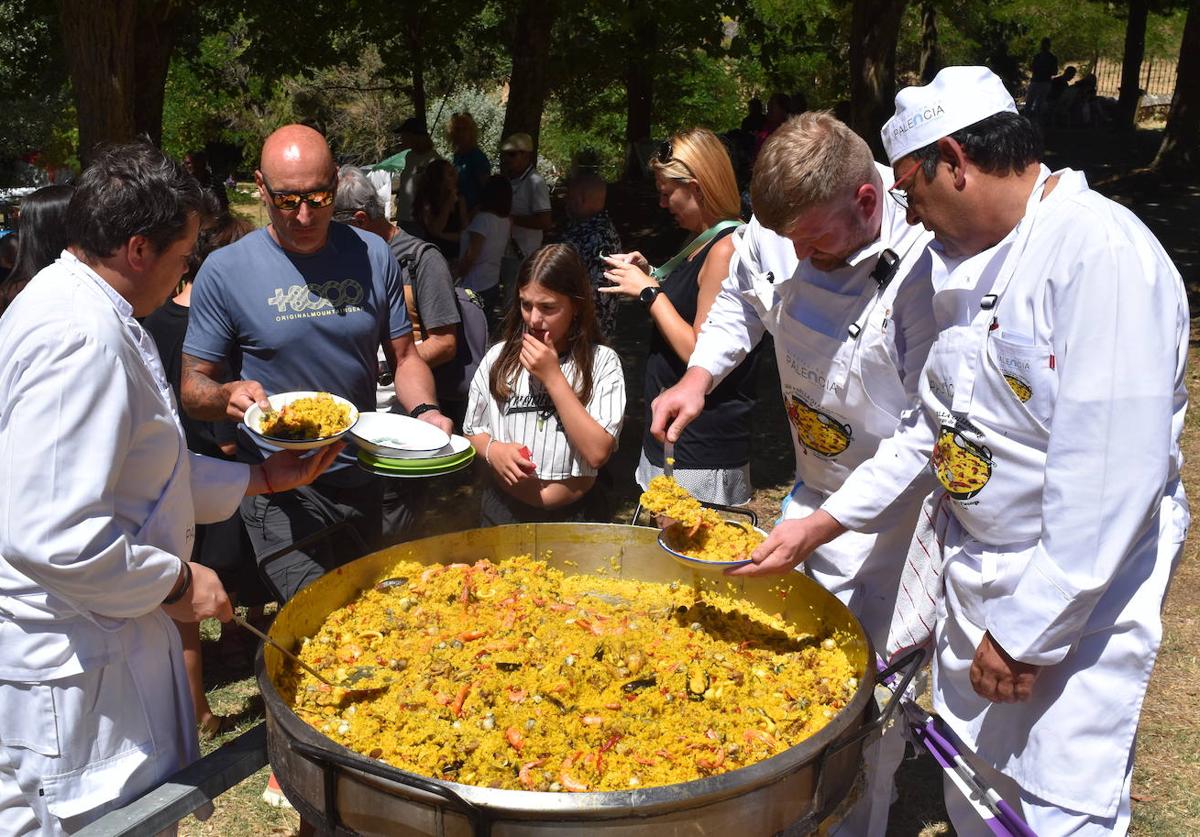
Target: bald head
x=296, y=179
x=296, y=153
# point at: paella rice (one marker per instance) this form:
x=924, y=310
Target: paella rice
x=701, y=533
x=514, y=675
x=307, y=418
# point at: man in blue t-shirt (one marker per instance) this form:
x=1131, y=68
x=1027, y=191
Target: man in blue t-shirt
x=302, y=305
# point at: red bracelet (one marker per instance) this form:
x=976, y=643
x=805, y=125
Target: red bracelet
x=267, y=480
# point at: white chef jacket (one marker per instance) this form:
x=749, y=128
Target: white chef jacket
x=877, y=384
x=98, y=504
x=1099, y=317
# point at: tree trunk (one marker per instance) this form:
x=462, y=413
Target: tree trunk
x=639, y=86
x=931, y=57
x=98, y=39
x=1180, y=149
x=157, y=28
x=416, y=51
x=1131, y=63
x=874, y=29
x=530, y=54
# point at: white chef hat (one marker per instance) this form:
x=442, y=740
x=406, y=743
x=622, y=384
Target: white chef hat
x=957, y=97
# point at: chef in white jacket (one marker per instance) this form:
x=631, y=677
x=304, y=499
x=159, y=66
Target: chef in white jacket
x=832, y=270
x=98, y=503
x=1053, y=402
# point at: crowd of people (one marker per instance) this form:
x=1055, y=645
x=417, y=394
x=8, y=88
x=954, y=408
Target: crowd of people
x=967, y=370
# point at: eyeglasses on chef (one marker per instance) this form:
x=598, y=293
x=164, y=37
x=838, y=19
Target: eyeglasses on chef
x=290, y=201
x=898, y=193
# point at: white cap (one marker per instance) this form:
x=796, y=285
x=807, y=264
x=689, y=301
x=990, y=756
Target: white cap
x=956, y=98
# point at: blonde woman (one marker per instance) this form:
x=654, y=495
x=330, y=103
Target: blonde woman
x=472, y=164
x=696, y=185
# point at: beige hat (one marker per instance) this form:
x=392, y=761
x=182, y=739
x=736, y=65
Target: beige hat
x=956, y=98
x=518, y=142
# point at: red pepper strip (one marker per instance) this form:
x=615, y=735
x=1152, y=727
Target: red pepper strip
x=460, y=698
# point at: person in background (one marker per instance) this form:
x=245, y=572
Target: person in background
x=8, y=257
x=414, y=139
x=531, y=196
x=196, y=163
x=797, y=103
x=224, y=546
x=428, y=286
x=98, y=505
x=1043, y=68
x=438, y=211
x=755, y=118
x=547, y=403
x=779, y=108
x=1053, y=401
x=472, y=164
x=695, y=183
x=592, y=234
x=42, y=227
x=484, y=242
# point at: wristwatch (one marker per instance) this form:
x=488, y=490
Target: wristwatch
x=423, y=408
x=649, y=294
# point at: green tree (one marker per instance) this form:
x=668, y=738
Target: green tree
x=1180, y=149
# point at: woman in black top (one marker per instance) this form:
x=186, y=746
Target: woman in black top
x=696, y=184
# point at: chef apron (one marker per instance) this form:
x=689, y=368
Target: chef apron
x=75, y=747
x=843, y=395
x=993, y=394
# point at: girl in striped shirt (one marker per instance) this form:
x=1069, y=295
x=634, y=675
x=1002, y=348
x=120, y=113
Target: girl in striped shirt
x=547, y=402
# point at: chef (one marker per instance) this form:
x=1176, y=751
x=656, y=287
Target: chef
x=1053, y=402
x=831, y=269
x=98, y=505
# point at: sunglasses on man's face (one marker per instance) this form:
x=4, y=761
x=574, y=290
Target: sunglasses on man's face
x=290, y=201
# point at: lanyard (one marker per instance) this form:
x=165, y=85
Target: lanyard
x=981, y=324
x=660, y=273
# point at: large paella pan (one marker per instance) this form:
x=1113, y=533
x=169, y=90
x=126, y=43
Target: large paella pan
x=343, y=791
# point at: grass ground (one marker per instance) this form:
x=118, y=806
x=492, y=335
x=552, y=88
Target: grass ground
x=1166, y=788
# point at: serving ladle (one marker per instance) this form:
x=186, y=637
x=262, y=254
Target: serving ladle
x=348, y=685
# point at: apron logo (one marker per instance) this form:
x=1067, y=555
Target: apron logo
x=961, y=466
x=818, y=431
x=1020, y=389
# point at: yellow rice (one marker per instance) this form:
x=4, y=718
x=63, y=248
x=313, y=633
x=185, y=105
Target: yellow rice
x=516, y=676
x=701, y=534
x=307, y=418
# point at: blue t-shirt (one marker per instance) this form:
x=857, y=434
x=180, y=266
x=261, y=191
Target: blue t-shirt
x=473, y=168
x=300, y=322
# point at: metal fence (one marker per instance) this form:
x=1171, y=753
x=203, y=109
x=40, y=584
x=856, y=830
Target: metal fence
x=1157, y=77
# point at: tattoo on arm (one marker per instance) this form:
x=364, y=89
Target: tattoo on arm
x=203, y=398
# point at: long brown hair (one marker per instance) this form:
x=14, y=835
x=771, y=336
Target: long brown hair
x=558, y=269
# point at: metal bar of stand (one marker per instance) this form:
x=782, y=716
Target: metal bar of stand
x=188, y=790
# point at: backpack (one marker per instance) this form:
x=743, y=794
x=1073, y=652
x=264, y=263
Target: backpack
x=453, y=378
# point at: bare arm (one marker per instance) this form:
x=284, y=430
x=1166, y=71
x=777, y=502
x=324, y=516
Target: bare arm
x=466, y=260
x=712, y=274
x=536, y=221
x=413, y=380
x=439, y=346
x=207, y=400
x=589, y=439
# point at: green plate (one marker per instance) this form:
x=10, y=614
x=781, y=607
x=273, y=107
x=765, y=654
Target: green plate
x=416, y=466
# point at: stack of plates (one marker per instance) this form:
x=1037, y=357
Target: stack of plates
x=393, y=445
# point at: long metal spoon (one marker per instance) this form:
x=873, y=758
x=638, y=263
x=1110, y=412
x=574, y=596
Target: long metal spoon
x=362, y=690
x=669, y=459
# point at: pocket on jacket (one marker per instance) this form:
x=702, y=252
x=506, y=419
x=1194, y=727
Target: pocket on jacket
x=27, y=718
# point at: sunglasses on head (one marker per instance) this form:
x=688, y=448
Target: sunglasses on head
x=665, y=152
x=290, y=201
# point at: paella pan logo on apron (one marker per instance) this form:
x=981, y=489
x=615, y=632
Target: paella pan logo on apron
x=1020, y=389
x=817, y=431
x=960, y=465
